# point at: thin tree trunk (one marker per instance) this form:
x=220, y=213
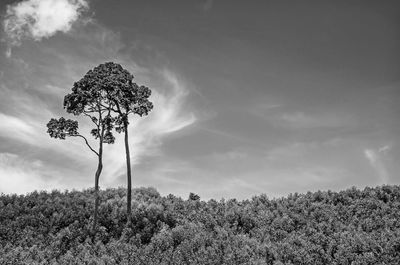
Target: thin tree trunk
x=129, y=176
x=96, y=183
x=96, y=191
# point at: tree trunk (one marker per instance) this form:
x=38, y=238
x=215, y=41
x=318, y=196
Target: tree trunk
x=96, y=192
x=96, y=184
x=129, y=176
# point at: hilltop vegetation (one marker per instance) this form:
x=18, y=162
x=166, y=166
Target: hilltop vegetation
x=347, y=227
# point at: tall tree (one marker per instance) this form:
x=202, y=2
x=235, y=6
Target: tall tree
x=88, y=100
x=126, y=98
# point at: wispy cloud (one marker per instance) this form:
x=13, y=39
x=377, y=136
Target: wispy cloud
x=146, y=138
x=302, y=120
x=376, y=159
x=93, y=44
x=146, y=134
x=228, y=156
x=14, y=127
x=19, y=175
x=384, y=149
x=38, y=19
x=171, y=116
x=168, y=115
x=25, y=129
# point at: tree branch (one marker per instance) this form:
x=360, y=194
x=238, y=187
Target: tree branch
x=107, y=108
x=84, y=113
x=87, y=143
x=93, y=110
x=111, y=102
x=119, y=109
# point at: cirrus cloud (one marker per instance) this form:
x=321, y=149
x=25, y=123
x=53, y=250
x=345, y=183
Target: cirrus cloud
x=376, y=159
x=146, y=134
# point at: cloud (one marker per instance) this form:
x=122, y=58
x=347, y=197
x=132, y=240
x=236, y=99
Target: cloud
x=384, y=149
x=93, y=44
x=300, y=120
x=228, y=156
x=376, y=159
x=38, y=19
x=146, y=133
x=169, y=117
x=292, y=151
x=33, y=134
x=21, y=175
x=15, y=128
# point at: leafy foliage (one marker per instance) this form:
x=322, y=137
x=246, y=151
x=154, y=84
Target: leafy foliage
x=88, y=98
x=117, y=83
x=61, y=128
x=347, y=227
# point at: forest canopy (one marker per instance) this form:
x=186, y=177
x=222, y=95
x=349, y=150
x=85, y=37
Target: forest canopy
x=347, y=227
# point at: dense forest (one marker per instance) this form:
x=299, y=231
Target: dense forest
x=348, y=227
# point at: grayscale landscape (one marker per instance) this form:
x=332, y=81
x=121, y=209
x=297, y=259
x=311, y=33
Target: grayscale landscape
x=199, y=132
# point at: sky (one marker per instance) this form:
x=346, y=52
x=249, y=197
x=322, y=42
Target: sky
x=250, y=97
